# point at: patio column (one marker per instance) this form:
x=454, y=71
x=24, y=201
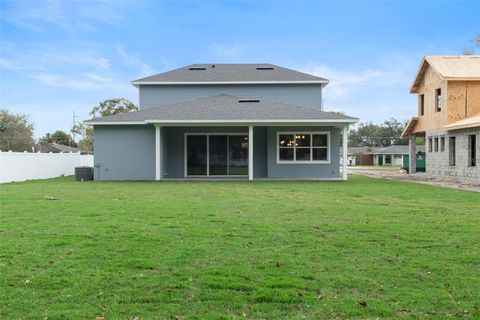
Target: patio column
x=250, y=152
x=345, y=152
x=412, y=153
x=158, y=155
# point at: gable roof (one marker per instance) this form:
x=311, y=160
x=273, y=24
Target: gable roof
x=224, y=109
x=357, y=150
x=56, y=148
x=396, y=149
x=230, y=74
x=465, y=67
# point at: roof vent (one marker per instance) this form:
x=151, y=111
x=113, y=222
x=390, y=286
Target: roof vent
x=248, y=100
x=197, y=68
x=264, y=68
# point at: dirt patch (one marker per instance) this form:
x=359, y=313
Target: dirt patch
x=420, y=177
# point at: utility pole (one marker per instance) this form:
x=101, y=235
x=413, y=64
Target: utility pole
x=73, y=126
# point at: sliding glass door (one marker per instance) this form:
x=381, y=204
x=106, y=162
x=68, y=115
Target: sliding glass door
x=238, y=155
x=216, y=155
x=196, y=155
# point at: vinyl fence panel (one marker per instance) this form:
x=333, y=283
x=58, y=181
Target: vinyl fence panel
x=21, y=166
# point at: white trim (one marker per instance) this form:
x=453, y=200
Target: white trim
x=264, y=122
x=345, y=153
x=136, y=83
x=94, y=123
x=158, y=152
x=255, y=121
x=250, y=153
x=294, y=161
x=207, y=134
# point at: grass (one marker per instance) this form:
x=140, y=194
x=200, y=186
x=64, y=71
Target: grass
x=365, y=249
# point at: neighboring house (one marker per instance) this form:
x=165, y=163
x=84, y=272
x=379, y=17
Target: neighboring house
x=223, y=120
x=54, y=148
x=448, y=89
x=392, y=155
x=358, y=156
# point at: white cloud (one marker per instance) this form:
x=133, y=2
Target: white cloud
x=70, y=16
x=131, y=59
x=372, y=94
x=226, y=51
x=83, y=82
x=344, y=82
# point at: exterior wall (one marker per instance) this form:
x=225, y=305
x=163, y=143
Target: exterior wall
x=305, y=171
x=124, y=152
x=397, y=159
x=128, y=152
x=432, y=119
x=307, y=95
x=463, y=99
x=460, y=99
x=364, y=159
x=438, y=165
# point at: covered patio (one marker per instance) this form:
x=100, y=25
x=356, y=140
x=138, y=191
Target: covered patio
x=223, y=137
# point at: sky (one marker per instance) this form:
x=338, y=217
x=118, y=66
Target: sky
x=57, y=57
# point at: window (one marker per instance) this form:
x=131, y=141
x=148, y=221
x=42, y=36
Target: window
x=438, y=100
x=451, y=150
x=436, y=144
x=303, y=147
x=421, y=102
x=388, y=159
x=472, y=150
x=442, y=144
x=430, y=144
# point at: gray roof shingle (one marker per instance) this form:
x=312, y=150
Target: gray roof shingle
x=199, y=73
x=225, y=108
x=395, y=150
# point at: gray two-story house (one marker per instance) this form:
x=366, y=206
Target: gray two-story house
x=250, y=121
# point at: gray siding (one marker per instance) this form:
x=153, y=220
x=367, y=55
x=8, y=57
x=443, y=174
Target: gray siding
x=306, y=95
x=124, y=152
x=308, y=171
x=128, y=152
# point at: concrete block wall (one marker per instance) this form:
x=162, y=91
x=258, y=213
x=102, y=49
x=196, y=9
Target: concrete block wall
x=438, y=162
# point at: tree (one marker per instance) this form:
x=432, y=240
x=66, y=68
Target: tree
x=112, y=106
x=469, y=52
x=16, y=133
x=86, y=142
x=59, y=137
x=365, y=135
x=391, y=131
x=105, y=108
x=373, y=135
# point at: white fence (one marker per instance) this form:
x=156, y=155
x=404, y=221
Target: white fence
x=21, y=166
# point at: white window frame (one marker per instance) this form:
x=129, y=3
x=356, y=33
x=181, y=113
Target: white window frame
x=208, y=134
x=311, y=161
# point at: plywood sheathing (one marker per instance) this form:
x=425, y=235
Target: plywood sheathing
x=473, y=98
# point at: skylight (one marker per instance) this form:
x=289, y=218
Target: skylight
x=197, y=68
x=264, y=68
x=248, y=100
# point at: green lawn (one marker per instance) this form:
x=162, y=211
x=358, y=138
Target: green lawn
x=365, y=249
